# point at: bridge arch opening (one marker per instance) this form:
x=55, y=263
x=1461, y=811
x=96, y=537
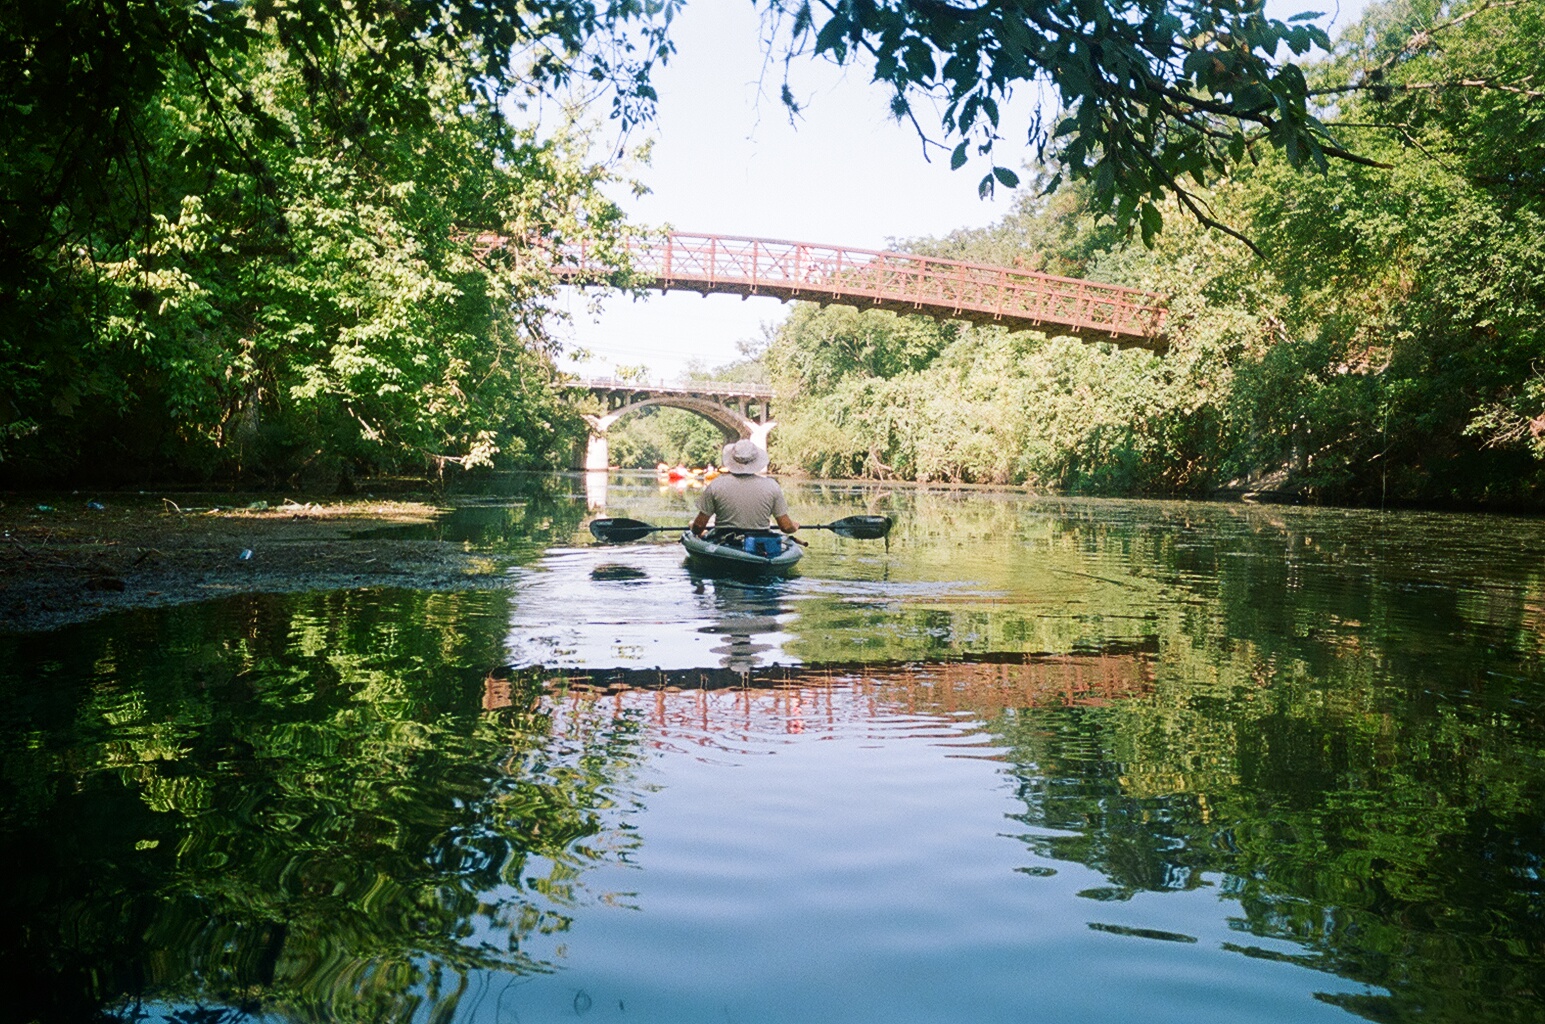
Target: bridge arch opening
x=742, y=419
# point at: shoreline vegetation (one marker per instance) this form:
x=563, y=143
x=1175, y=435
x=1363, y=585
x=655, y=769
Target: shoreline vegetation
x=264, y=272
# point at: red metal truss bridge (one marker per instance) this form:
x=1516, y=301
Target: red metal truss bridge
x=872, y=279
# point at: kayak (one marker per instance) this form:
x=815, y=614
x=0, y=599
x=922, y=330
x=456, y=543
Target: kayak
x=770, y=551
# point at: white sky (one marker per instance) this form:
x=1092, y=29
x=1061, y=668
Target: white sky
x=726, y=160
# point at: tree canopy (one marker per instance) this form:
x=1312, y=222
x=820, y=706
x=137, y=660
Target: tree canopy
x=1153, y=98
x=237, y=237
x=233, y=235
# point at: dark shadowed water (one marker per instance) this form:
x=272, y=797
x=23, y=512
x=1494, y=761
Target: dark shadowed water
x=1032, y=760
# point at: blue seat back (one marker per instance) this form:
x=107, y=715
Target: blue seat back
x=767, y=547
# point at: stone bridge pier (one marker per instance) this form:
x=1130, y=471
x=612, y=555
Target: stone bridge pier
x=738, y=410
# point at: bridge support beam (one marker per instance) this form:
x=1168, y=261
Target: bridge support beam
x=597, y=453
x=759, y=432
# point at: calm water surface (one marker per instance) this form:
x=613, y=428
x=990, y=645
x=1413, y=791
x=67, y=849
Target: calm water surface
x=1033, y=760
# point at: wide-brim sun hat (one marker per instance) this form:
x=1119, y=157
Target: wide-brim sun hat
x=744, y=458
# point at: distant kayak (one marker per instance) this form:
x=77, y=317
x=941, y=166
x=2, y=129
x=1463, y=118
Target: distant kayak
x=757, y=551
x=683, y=476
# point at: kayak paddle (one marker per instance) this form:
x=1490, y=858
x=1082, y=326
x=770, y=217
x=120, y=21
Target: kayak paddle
x=621, y=531
x=857, y=527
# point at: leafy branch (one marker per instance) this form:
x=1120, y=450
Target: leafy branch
x=1149, y=92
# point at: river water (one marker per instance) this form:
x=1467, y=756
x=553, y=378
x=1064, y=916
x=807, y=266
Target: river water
x=1029, y=760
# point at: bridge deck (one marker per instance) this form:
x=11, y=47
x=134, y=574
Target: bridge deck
x=905, y=283
x=706, y=388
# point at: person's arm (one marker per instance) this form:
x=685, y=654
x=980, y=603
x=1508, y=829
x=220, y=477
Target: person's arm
x=780, y=512
x=706, y=507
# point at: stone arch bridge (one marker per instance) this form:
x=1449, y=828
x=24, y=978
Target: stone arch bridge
x=738, y=410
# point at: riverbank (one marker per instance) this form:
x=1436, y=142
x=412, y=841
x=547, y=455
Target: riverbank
x=70, y=561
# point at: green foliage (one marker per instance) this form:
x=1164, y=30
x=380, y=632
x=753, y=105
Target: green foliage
x=238, y=239
x=81, y=77
x=659, y=434
x=252, y=252
x=843, y=342
x=1160, y=98
x=1056, y=233
x=1415, y=292
x=890, y=395
x=749, y=368
x=1382, y=341
x=1460, y=81
x=1151, y=92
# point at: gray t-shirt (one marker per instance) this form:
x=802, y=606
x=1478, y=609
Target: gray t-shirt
x=745, y=502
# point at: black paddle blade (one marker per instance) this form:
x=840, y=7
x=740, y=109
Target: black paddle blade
x=620, y=531
x=859, y=527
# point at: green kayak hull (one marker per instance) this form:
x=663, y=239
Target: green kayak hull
x=706, y=553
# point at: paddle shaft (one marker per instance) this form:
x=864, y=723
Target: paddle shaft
x=624, y=530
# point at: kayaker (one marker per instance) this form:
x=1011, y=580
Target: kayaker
x=740, y=497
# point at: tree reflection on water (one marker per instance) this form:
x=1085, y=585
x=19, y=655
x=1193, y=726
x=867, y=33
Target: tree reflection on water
x=294, y=805
x=350, y=805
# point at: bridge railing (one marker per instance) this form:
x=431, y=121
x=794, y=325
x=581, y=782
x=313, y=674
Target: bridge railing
x=891, y=280
x=715, y=388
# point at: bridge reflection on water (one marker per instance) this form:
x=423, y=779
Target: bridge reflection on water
x=717, y=707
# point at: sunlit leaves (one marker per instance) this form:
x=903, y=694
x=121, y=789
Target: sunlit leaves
x=340, y=153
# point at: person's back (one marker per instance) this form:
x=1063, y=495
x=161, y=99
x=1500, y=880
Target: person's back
x=740, y=498
x=743, y=502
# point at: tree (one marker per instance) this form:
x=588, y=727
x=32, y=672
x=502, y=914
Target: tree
x=236, y=237
x=1382, y=344
x=1415, y=290
x=660, y=433
x=1157, y=97
x=77, y=78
